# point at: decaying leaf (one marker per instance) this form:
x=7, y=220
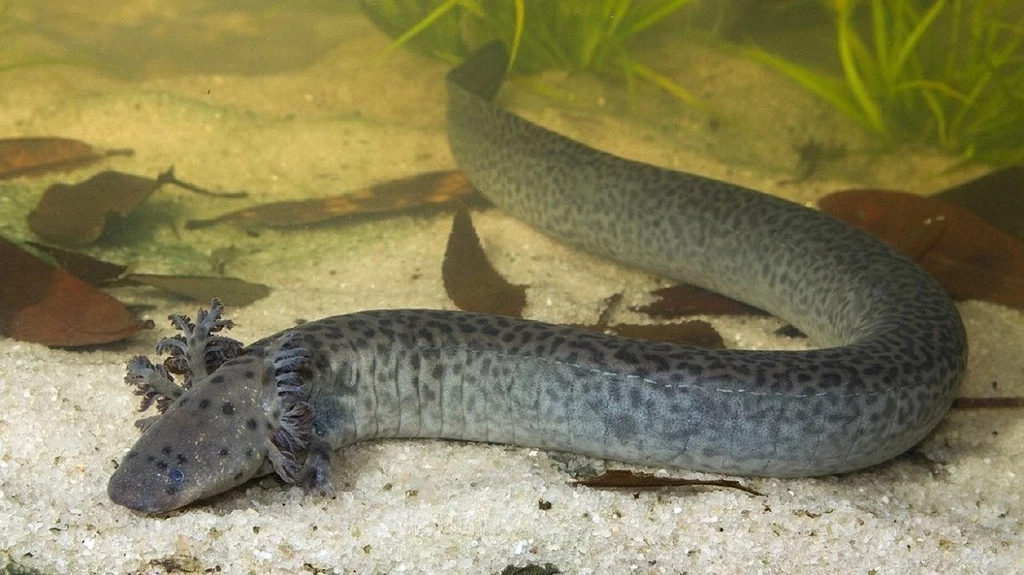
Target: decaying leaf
x=77, y=214
x=531, y=569
x=33, y=156
x=473, y=284
x=988, y=403
x=696, y=333
x=685, y=300
x=625, y=479
x=93, y=271
x=231, y=291
x=430, y=189
x=471, y=281
x=997, y=197
x=970, y=257
x=44, y=304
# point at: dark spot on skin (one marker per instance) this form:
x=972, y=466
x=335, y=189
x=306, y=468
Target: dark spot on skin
x=166, y=450
x=132, y=455
x=239, y=476
x=183, y=401
x=150, y=458
x=219, y=378
x=251, y=423
x=161, y=464
x=227, y=408
x=250, y=374
x=224, y=452
x=204, y=404
x=250, y=453
x=181, y=459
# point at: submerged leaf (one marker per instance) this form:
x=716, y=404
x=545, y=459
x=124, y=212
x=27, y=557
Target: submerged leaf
x=33, y=156
x=997, y=196
x=430, y=189
x=44, y=304
x=84, y=267
x=626, y=479
x=471, y=281
x=531, y=568
x=696, y=333
x=230, y=291
x=684, y=300
x=77, y=214
x=988, y=403
x=971, y=258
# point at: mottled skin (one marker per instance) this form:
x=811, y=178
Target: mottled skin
x=895, y=345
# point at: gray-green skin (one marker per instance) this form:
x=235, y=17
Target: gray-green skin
x=894, y=345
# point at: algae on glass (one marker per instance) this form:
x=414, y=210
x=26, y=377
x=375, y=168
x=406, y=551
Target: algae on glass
x=948, y=73
x=578, y=35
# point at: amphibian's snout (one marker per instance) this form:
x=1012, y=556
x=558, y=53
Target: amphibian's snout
x=134, y=491
x=214, y=437
x=161, y=472
x=183, y=458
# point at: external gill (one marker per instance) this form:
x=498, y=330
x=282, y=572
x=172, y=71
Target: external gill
x=300, y=456
x=154, y=384
x=294, y=416
x=193, y=355
x=196, y=352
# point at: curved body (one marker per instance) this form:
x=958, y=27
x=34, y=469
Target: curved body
x=894, y=348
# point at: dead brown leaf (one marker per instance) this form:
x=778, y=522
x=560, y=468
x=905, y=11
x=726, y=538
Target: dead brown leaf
x=998, y=197
x=77, y=214
x=430, y=189
x=696, y=333
x=971, y=258
x=626, y=479
x=231, y=291
x=34, y=156
x=471, y=281
x=988, y=402
x=684, y=300
x=44, y=304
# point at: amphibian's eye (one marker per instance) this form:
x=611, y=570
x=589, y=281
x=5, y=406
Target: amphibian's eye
x=176, y=476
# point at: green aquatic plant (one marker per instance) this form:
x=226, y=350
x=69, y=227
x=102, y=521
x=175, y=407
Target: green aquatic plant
x=945, y=72
x=578, y=35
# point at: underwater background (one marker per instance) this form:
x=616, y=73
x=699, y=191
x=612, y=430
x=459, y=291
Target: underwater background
x=321, y=103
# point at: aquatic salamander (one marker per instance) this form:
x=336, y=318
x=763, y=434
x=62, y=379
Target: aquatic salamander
x=894, y=348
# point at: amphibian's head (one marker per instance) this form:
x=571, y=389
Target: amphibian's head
x=217, y=435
